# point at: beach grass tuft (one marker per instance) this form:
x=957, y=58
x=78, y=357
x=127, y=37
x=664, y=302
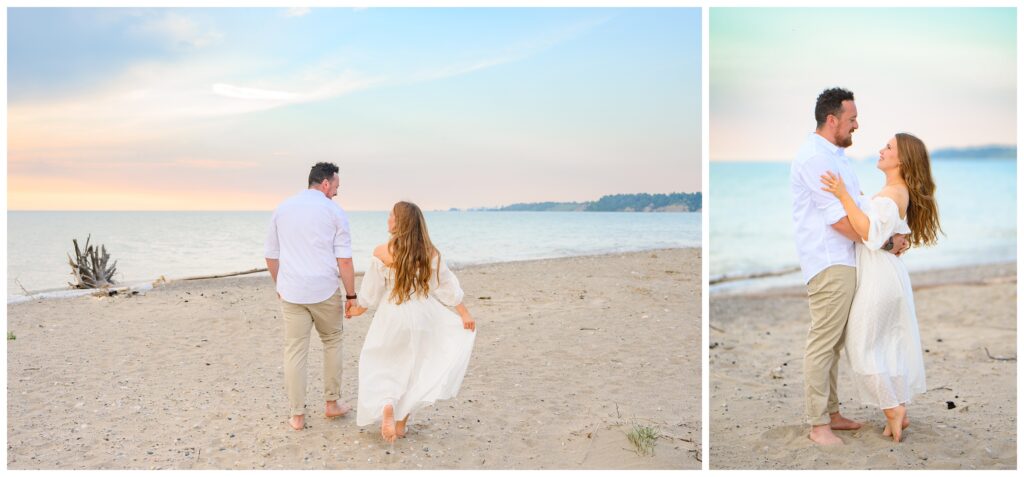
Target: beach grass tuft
x=10, y=336
x=643, y=438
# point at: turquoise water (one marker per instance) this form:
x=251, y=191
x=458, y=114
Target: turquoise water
x=148, y=245
x=752, y=232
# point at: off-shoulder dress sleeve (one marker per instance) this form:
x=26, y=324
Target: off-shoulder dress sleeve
x=448, y=290
x=372, y=288
x=884, y=217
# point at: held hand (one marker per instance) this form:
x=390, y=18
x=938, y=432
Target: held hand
x=900, y=244
x=468, y=322
x=834, y=184
x=350, y=306
x=355, y=310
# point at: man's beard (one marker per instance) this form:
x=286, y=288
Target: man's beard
x=845, y=141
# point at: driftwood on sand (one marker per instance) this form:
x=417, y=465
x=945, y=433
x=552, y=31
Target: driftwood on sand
x=89, y=267
x=247, y=272
x=999, y=358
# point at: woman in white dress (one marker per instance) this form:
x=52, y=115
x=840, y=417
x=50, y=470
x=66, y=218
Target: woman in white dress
x=416, y=350
x=883, y=345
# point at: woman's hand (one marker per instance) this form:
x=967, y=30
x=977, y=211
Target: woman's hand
x=468, y=322
x=355, y=310
x=834, y=184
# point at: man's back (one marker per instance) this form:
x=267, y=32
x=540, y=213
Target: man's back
x=308, y=233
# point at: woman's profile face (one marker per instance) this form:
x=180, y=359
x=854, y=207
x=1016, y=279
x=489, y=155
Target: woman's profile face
x=888, y=157
x=391, y=222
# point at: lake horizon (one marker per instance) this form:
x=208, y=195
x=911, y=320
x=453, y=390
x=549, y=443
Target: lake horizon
x=751, y=230
x=177, y=244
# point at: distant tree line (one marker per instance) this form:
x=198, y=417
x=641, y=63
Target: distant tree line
x=976, y=152
x=547, y=206
x=674, y=202
x=645, y=202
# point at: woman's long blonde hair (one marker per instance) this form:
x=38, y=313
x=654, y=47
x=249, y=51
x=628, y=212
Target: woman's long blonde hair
x=923, y=211
x=411, y=253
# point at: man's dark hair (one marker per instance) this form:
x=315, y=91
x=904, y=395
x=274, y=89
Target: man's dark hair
x=830, y=101
x=322, y=171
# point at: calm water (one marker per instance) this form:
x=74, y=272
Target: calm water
x=148, y=245
x=752, y=232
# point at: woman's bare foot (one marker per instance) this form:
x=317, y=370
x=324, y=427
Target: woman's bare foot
x=400, y=427
x=888, y=432
x=895, y=418
x=297, y=422
x=387, y=424
x=333, y=409
x=840, y=423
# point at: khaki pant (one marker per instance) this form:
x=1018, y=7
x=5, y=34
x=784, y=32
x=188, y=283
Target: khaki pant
x=326, y=316
x=830, y=293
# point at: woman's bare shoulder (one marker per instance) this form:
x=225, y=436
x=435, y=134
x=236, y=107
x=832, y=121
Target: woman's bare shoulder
x=382, y=253
x=899, y=194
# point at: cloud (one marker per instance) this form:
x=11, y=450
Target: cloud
x=177, y=31
x=151, y=100
x=517, y=52
x=240, y=99
x=253, y=93
x=214, y=164
x=466, y=68
x=297, y=12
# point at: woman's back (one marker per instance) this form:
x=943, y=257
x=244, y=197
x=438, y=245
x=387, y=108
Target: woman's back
x=442, y=284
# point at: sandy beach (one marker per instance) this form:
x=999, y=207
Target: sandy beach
x=756, y=380
x=570, y=353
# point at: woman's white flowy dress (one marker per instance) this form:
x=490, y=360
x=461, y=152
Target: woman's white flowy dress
x=883, y=344
x=415, y=353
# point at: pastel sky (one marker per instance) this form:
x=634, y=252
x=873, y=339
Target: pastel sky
x=226, y=109
x=947, y=75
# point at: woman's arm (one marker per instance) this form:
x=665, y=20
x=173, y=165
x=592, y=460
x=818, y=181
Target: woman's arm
x=467, y=320
x=858, y=219
x=370, y=292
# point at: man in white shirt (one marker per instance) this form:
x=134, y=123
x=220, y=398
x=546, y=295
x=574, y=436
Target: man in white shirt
x=308, y=247
x=825, y=243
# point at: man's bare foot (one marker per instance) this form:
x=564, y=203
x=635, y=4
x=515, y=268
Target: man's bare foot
x=823, y=435
x=895, y=418
x=333, y=409
x=840, y=423
x=400, y=427
x=888, y=432
x=297, y=422
x=387, y=424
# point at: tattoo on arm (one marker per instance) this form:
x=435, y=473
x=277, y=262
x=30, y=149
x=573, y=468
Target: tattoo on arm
x=888, y=245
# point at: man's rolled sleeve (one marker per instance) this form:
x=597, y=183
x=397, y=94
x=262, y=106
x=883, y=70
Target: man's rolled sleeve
x=832, y=210
x=342, y=238
x=272, y=246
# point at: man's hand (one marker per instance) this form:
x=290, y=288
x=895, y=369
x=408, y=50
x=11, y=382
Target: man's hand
x=350, y=306
x=900, y=244
x=273, y=265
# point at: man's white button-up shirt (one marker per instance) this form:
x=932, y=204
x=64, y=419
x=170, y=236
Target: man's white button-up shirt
x=815, y=210
x=308, y=233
